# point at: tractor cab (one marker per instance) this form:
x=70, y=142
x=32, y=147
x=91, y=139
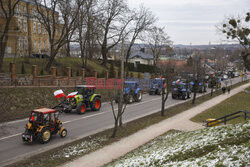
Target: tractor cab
x=85, y=90
x=130, y=86
x=156, y=86
x=42, y=124
x=132, y=92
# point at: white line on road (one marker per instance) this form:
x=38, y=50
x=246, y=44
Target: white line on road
x=10, y=136
x=84, y=117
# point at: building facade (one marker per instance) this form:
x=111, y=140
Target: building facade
x=27, y=36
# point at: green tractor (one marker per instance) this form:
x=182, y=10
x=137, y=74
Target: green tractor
x=84, y=98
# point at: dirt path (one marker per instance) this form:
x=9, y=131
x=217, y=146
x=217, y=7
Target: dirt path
x=179, y=122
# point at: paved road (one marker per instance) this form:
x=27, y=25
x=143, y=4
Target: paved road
x=13, y=149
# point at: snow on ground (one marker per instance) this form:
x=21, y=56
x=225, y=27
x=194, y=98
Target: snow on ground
x=222, y=145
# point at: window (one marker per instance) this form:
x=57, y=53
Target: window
x=39, y=46
x=25, y=25
x=19, y=24
x=20, y=43
x=44, y=30
x=18, y=8
x=34, y=27
x=39, y=28
x=44, y=45
x=34, y=11
x=34, y=47
x=24, y=9
x=9, y=50
x=25, y=43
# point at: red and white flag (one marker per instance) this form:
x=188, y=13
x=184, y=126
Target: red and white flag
x=59, y=93
x=178, y=81
x=71, y=95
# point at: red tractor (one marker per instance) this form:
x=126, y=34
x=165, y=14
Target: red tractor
x=43, y=123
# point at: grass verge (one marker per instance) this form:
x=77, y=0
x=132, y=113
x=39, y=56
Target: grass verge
x=57, y=156
x=235, y=103
x=217, y=146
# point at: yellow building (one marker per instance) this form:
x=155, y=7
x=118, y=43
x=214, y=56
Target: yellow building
x=27, y=37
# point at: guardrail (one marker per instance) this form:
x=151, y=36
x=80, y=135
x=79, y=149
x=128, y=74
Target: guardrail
x=227, y=118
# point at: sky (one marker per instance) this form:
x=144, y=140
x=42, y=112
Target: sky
x=193, y=21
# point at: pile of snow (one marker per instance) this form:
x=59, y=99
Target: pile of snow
x=209, y=147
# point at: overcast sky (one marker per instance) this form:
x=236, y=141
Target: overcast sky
x=193, y=21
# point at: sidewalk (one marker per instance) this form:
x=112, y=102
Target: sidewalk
x=179, y=122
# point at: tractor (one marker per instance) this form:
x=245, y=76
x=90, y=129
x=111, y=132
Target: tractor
x=180, y=90
x=201, y=87
x=132, y=92
x=43, y=123
x=82, y=99
x=156, y=86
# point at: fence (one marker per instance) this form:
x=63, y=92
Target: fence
x=227, y=118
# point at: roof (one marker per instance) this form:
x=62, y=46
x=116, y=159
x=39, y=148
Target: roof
x=86, y=86
x=44, y=110
x=141, y=55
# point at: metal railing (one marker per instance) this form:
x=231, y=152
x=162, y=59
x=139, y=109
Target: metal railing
x=227, y=118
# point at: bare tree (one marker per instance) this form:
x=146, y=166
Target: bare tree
x=87, y=30
x=157, y=39
x=113, y=20
x=238, y=29
x=58, y=18
x=7, y=11
x=142, y=20
x=167, y=70
x=113, y=95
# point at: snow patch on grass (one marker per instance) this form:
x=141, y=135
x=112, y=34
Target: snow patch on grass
x=222, y=146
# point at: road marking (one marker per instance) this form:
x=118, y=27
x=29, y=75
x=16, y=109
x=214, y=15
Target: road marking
x=84, y=117
x=10, y=136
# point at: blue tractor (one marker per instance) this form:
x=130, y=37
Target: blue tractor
x=201, y=87
x=180, y=90
x=132, y=92
x=156, y=86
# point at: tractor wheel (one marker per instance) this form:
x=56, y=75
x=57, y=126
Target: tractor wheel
x=129, y=99
x=81, y=108
x=159, y=92
x=96, y=104
x=138, y=97
x=184, y=97
x=63, y=133
x=44, y=136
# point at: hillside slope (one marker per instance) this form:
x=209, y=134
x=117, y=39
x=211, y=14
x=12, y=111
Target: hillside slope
x=217, y=146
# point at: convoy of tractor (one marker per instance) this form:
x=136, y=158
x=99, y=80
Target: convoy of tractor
x=44, y=122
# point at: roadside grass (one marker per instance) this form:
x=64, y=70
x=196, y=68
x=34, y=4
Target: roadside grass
x=216, y=146
x=233, y=104
x=57, y=156
x=17, y=103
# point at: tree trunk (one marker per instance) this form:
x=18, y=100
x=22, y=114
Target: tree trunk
x=3, y=43
x=212, y=91
x=2, y=51
x=51, y=58
x=195, y=91
x=115, y=129
x=68, y=49
x=162, y=103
